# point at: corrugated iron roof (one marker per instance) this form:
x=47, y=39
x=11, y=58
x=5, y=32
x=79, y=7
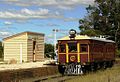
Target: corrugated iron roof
x=28, y=32
x=85, y=37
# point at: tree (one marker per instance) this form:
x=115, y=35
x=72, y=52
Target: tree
x=1, y=50
x=103, y=19
x=49, y=50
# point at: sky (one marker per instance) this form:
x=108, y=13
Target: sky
x=41, y=16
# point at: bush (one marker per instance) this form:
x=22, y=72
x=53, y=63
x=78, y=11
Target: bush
x=1, y=50
x=49, y=50
x=118, y=52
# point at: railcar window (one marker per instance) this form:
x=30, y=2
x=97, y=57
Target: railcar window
x=62, y=48
x=83, y=48
x=72, y=47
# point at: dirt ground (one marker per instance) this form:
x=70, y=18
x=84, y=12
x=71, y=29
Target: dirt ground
x=19, y=72
x=4, y=67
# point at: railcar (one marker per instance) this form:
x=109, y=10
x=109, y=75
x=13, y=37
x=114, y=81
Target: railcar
x=76, y=56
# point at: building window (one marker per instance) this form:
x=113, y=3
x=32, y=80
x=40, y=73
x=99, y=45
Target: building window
x=72, y=47
x=83, y=48
x=62, y=48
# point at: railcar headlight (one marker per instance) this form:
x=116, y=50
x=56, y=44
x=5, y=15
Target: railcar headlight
x=72, y=33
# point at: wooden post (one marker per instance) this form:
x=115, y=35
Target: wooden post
x=20, y=52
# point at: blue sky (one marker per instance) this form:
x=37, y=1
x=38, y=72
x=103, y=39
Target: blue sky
x=41, y=16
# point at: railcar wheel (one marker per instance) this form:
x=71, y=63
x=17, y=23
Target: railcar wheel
x=92, y=67
x=104, y=65
x=61, y=69
x=111, y=63
x=84, y=69
x=98, y=66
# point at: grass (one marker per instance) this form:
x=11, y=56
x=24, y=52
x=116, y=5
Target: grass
x=1, y=59
x=108, y=75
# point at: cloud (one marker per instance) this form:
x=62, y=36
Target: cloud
x=71, y=19
x=62, y=4
x=53, y=25
x=29, y=14
x=24, y=14
x=48, y=25
x=4, y=34
x=7, y=23
x=41, y=13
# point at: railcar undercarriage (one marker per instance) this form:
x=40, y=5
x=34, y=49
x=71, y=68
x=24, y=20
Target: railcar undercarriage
x=78, y=69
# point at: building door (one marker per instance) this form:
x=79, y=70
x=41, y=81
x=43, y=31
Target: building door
x=34, y=50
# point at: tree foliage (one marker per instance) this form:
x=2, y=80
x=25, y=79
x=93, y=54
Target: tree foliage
x=103, y=19
x=49, y=50
x=1, y=50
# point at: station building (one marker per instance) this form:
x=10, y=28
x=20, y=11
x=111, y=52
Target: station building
x=24, y=47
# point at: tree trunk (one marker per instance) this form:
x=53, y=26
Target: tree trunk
x=116, y=34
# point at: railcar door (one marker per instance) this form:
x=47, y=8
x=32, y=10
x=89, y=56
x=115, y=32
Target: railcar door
x=72, y=52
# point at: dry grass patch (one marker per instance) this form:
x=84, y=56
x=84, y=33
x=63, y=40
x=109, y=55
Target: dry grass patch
x=108, y=75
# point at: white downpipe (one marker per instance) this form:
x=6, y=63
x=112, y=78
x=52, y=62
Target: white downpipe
x=20, y=52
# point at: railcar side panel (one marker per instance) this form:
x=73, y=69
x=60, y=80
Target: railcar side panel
x=62, y=58
x=97, y=51
x=109, y=51
x=86, y=51
x=84, y=58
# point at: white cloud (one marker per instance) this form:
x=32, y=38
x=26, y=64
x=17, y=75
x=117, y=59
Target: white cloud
x=38, y=12
x=4, y=34
x=41, y=13
x=48, y=25
x=29, y=14
x=70, y=19
x=7, y=23
x=62, y=4
x=25, y=14
x=53, y=25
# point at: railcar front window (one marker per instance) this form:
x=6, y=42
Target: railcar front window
x=72, y=47
x=62, y=48
x=83, y=48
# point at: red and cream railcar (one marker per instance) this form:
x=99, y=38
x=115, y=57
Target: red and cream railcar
x=88, y=52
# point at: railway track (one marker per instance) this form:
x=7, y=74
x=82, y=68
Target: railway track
x=56, y=78
x=60, y=78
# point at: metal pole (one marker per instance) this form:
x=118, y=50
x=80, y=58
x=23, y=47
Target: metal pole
x=54, y=40
x=55, y=30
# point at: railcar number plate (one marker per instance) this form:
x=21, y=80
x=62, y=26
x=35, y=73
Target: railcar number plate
x=73, y=69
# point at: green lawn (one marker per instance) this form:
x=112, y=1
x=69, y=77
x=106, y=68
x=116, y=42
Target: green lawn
x=108, y=75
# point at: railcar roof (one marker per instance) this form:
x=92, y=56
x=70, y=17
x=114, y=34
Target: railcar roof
x=83, y=37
